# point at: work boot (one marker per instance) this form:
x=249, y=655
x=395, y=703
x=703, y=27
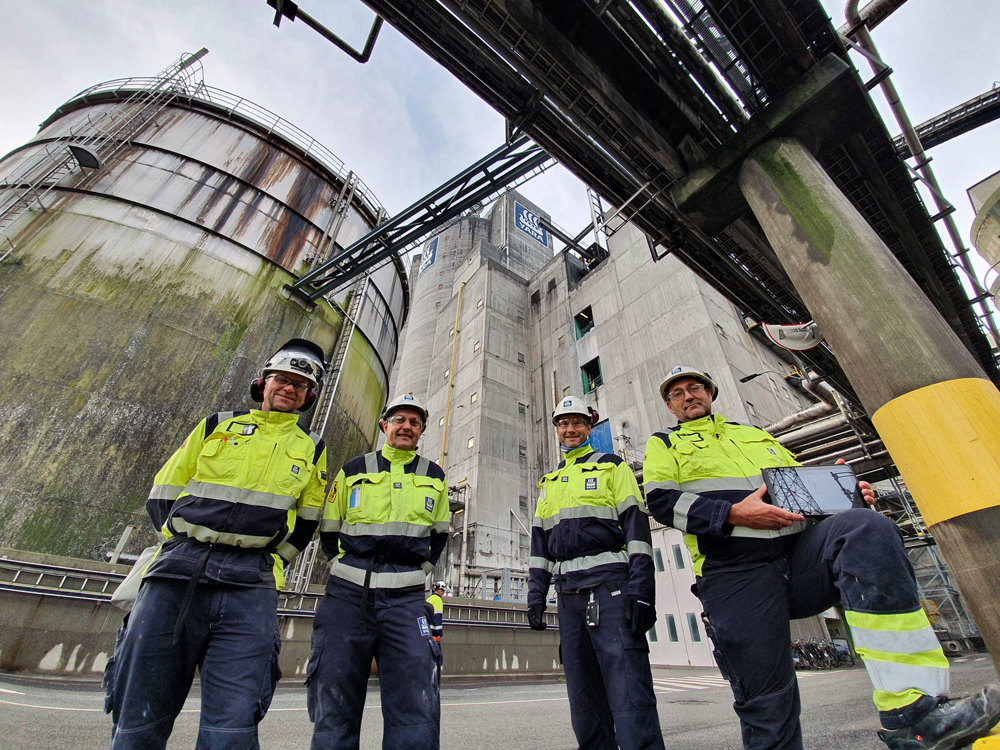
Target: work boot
x=953, y=723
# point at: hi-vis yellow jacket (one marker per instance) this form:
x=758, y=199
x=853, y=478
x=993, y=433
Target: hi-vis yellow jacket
x=693, y=475
x=249, y=487
x=385, y=525
x=590, y=527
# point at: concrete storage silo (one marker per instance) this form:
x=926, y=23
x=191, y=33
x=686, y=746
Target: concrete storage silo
x=148, y=290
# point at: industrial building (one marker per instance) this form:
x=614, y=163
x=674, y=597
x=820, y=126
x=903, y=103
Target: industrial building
x=500, y=328
x=148, y=233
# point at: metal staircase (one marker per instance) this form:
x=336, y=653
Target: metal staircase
x=93, y=142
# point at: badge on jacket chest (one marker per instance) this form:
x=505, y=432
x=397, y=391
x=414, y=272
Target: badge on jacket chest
x=355, y=499
x=429, y=504
x=590, y=483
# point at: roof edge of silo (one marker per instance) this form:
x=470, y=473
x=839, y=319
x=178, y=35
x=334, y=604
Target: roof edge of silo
x=240, y=111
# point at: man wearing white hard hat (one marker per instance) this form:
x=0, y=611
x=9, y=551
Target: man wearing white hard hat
x=757, y=565
x=384, y=529
x=236, y=503
x=591, y=535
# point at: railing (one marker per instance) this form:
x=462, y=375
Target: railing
x=44, y=579
x=233, y=104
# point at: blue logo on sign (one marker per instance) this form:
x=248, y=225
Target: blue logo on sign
x=527, y=221
x=355, y=500
x=590, y=483
x=429, y=256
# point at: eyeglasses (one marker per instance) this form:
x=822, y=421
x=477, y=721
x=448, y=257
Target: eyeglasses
x=412, y=421
x=578, y=423
x=282, y=382
x=695, y=389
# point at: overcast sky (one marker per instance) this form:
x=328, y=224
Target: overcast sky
x=400, y=121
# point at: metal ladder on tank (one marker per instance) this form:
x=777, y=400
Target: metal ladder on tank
x=301, y=572
x=91, y=143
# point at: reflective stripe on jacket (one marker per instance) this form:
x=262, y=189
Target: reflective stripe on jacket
x=590, y=527
x=387, y=521
x=244, y=483
x=696, y=471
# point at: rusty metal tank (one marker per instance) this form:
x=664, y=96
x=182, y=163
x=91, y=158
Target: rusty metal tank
x=149, y=290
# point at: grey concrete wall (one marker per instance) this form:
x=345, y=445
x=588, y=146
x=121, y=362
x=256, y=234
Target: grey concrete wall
x=41, y=632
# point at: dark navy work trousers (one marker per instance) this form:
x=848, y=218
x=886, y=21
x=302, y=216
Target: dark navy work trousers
x=855, y=556
x=230, y=633
x=608, y=679
x=345, y=640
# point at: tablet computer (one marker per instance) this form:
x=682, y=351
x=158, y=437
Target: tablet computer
x=813, y=491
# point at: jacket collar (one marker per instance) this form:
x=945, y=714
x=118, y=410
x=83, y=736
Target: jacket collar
x=709, y=423
x=279, y=421
x=581, y=450
x=396, y=456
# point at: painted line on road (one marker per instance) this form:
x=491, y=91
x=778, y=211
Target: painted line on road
x=52, y=708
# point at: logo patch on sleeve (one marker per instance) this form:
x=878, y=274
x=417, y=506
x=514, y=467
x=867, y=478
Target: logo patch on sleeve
x=397, y=485
x=295, y=469
x=429, y=504
x=564, y=479
x=422, y=624
x=355, y=499
x=590, y=483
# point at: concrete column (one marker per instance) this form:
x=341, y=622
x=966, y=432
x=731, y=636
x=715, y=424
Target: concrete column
x=931, y=403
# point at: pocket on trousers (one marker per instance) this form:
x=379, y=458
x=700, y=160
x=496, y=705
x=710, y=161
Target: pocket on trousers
x=108, y=682
x=270, y=681
x=312, y=689
x=632, y=642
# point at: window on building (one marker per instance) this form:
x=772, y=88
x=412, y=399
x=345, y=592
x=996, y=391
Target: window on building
x=472, y=441
x=536, y=297
x=474, y=397
x=678, y=557
x=520, y=358
x=522, y=502
x=693, y=628
x=521, y=408
x=584, y=321
x=440, y=286
x=477, y=346
x=523, y=543
x=522, y=453
x=658, y=560
x=672, y=629
x=591, y=374
x=552, y=286
x=561, y=342
x=651, y=634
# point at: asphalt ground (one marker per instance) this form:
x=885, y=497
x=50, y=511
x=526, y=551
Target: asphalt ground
x=695, y=709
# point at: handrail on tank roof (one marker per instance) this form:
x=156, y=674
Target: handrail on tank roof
x=232, y=103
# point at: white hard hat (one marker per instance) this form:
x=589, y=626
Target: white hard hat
x=683, y=371
x=404, y=400
x=438, y=585
x=573, y=405
x=299, y=357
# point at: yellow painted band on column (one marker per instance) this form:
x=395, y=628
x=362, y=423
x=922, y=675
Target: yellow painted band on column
x=945, y=440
